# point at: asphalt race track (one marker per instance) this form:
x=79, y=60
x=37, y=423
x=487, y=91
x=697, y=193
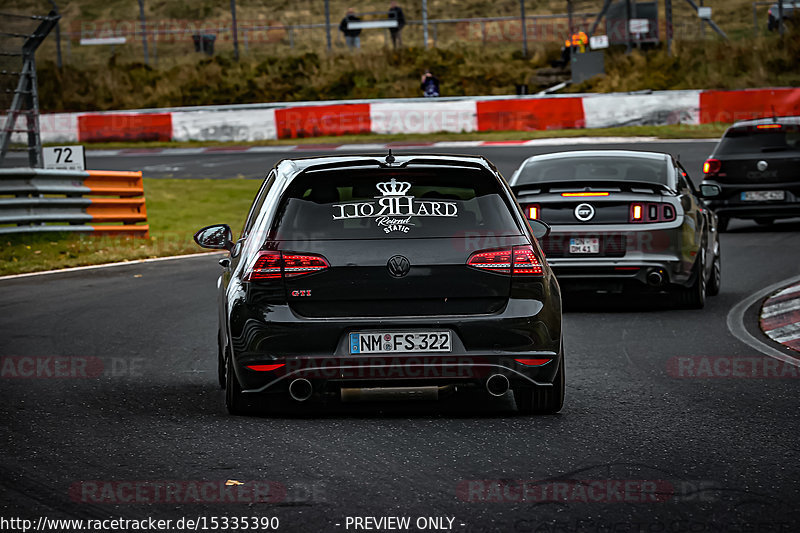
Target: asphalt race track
x=639, y=446
x=234, y=163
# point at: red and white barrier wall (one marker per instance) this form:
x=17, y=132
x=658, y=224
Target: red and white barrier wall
x=314, y=119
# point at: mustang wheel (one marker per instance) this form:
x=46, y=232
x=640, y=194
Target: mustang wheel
x=715, y=281
x=694, y=296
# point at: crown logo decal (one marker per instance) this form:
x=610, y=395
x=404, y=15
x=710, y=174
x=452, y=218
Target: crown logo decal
x=393, y=187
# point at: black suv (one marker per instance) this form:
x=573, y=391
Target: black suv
x=383, y=277
x=757, y=166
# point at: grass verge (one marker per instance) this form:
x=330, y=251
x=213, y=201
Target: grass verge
x=676, y=131
x=175, y=210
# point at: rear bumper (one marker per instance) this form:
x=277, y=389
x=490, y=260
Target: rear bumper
x=772, y=210
x=318, y=349
x=418, y=370
x=729, y=203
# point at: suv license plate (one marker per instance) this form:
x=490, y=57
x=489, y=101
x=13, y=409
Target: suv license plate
x=381, y=342
x=763, y=196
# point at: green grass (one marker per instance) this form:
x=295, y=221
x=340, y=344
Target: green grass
x=676, y=131
x=175, y=210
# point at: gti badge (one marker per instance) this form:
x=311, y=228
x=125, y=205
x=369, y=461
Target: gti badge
x=584, y=212
x=398, y=266
x=762, y=165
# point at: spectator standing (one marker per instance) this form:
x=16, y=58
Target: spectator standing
x=429, y=85
x=351, y=37
x=396, y=13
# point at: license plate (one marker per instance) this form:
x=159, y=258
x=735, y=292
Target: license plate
x=584, y=246
x=420, y=341
x=763, y=196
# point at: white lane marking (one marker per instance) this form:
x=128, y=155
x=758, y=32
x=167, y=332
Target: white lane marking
x=780, y=308
x=108, y=265
x=735, y=322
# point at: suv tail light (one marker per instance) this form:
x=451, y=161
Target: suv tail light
x=533, y=211
x=712, y=166
x=500, y=261
x=651, y=212
x=276, y=265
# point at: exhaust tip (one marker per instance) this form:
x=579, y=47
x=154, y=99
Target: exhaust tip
x=497, y=384
x=655, y=278
x=300, y=389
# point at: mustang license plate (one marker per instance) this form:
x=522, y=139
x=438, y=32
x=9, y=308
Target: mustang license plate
x=584, y=246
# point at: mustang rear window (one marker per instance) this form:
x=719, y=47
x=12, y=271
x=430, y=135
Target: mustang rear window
x=754, y=140
x=594, y=169
x=402, y=203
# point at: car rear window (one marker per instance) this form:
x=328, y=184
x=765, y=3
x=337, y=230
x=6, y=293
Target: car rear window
x=766, y=139
x=594, y=169
x=393, y=203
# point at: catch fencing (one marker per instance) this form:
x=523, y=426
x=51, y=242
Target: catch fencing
x=35, y=200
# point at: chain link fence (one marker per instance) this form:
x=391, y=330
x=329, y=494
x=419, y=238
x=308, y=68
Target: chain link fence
x=273, y=28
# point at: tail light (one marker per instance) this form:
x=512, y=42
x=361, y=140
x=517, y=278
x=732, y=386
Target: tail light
x=265, y=368
x=532, y=362
x=524, y=261
x=276, y=265
x=533, y=211
x=651, y=212
x=583, y=194
x=712, y=166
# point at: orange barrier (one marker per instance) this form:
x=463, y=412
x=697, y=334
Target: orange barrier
x=129, y=208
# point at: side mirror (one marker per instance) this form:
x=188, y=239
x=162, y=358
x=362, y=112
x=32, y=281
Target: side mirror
x=541, y=229
x=708, y=190
x=216, y=237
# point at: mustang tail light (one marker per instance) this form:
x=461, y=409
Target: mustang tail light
x=276, y=265
x=712, y=166
x=533, y=211
x=651, y=212
x=517, y=261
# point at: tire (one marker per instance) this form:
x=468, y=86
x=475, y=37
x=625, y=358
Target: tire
x=542, y=400
x=722, y=224
x=235, y=401
x=220, y=361
x=715, y=281
x=694, y=296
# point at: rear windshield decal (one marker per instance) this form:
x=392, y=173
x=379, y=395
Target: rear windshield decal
x=393, y=209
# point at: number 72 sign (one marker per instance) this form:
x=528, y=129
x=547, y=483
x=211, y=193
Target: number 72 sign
x=64, y=157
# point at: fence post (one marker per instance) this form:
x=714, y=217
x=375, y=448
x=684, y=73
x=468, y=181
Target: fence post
x=144, y=32
x=668, y=17
x=235, y=32
x=425, y=21
x=328, y=23
x=524, y=29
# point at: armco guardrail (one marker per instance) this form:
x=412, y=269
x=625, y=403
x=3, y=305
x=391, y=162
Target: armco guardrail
x=34, y=200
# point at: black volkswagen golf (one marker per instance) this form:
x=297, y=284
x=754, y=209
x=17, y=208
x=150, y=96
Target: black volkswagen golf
x=372, y=278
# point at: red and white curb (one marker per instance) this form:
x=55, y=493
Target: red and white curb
x=382, y=147
x=780, y=317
